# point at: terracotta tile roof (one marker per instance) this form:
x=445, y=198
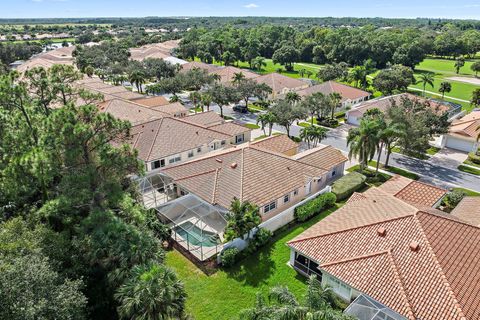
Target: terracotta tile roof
x=421, y=193
x=347, y=92
x=48, y=59
x=325, y=157
x=207, y=119
x=467, y=126
x=384, y=103
x=278, y=143
x=468, y=210
x=279, y=82
x=108, y=91
x=227, y=74
x=439, y=280
x=169, y=136
x=154, y=50
x=153, y=101
x=171, y=108
x=230, y=128
x=130, y=111
x=246, y=173
x=199, y=65
x=414, y=192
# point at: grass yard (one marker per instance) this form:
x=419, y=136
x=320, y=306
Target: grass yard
x=396, y=170
x=468, y=169
x=471, y=163
x=468, y=192
x=430, y=152
x=444, y=66
x=221, y=296
x=252, y=126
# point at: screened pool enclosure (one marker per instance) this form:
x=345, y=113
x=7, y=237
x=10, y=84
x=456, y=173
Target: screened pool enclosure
x=366, y=308
x=196, y=225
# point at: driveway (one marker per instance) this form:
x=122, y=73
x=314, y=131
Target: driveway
x=448, y=158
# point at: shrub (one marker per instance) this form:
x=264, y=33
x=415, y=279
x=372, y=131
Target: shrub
x=453, y=198
x=314, y=206
x=348, y=184
x=229, y=257
x=262, y=237
x=474, y=157
x=328, y=122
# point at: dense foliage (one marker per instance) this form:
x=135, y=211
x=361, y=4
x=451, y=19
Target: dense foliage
x=348, y=184
x=314, y=206
x=73, y=239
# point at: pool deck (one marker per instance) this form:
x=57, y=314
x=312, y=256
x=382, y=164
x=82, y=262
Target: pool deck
x=199, y=252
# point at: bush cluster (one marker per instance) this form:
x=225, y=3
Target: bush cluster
x=474, y=157
x=328, y=122
x=314, y=206
x=231, y=255
x=348, y=184
x=452, y=199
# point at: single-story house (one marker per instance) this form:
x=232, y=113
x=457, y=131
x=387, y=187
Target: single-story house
x=350, y=95
x=227, y=74
x=109, y=91
x=130, y=111
x=198, y=65
x=463, y=133
x=281, y=84
x=167, y=141
x=355, y=114
x=410, y=261
x=266, y=178
x=160, y=103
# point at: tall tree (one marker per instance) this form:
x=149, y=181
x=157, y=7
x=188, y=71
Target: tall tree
x=266, y=120
x=459, y=63
x=445, y=87
x=286, y=113
x=363, y=141
x=248, y=88
x=475, y=67
x=426, y=79
x=242, y=219
x=223, y=95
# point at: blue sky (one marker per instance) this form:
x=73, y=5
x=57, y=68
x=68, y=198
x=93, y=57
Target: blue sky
x=311, y=8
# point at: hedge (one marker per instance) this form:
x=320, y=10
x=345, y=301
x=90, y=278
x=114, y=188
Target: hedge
x=229, y=257
x=348, y=184
x=474, y=157
x=314, y=206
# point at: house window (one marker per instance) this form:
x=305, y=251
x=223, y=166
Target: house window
x=199, y=149
x=177, y=158
x=319, y=180
x=158, y=164
x=269, y=207
x=334, y=173
x=190, y=154
x=286, y=198
x=295, y=192
x=240, y=138
x=222, y=143
x=339, y=287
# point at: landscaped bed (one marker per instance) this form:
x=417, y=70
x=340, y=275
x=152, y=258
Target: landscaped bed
x=373, y=179
x=348, y=184
x=396, y=170
x=222, y=295
x=469, y=169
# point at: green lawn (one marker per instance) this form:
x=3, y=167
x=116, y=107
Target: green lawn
x=471, y=163
x=468, y=169
x=252, y=126
x=468, y=192
x=445, y=66
x=430, y=152
x=222, y=295
x=396, y=170
x=53, y=40
x=373, y=180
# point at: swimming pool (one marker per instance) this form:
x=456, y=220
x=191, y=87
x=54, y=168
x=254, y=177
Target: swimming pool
x=195, y=235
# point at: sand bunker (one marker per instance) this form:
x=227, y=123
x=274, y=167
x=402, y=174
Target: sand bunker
x=474, y=81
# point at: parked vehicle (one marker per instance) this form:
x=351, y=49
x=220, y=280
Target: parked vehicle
x=240, y=108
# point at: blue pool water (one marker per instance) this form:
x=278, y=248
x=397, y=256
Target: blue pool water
x=195, y=235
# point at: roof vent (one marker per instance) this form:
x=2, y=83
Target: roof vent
x=233, y=165
x=374, y=201
x=196, y=132
x=288, y=168
x=139, y=110
x=414, y=246
x=219, y=160
x=381, y=231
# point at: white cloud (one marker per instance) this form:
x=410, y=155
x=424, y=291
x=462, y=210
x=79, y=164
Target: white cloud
x=251, y=6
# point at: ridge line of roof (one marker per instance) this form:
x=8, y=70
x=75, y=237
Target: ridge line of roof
x=241, y=174
x=398, y=278
x=157, y=129
x=438, y=265
x=197, y=174
x=352, y=228
x=215, y=183
x=207, y=156
x=365, y=256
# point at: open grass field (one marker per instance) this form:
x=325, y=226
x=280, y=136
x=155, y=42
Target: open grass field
x=221, y=296
x=445, y=67
x=36, y=40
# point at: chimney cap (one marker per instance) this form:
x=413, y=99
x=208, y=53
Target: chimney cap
x=414, y=246
x=381, y=231
x=233, y=165
x=219, y=160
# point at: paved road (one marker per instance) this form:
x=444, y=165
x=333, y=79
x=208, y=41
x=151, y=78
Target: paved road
x=430, y=172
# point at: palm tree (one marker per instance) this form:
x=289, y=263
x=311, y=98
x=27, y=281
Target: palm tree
x=195, y=97
x=282, y=305
x=475, y=101
x=242, y=218
x=308, y=73
x=152, y=292
x=475, y=67
x=238, y=77
x=137, y=77
x=302, y=72
x=292, y=97
x=358, y=75
x=266, y=120
x=426, y=78
x=445, y=87
x=335, y=99
x=174, y=98
x=258, y=63
x=313, y=135
x=313, y=103
x=363, y=141
x=206, y=100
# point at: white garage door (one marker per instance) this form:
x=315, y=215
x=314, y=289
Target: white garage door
x=459, y=144
x=353, y=120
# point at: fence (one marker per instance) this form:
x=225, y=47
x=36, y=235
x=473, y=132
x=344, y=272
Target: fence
x=273, y=224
